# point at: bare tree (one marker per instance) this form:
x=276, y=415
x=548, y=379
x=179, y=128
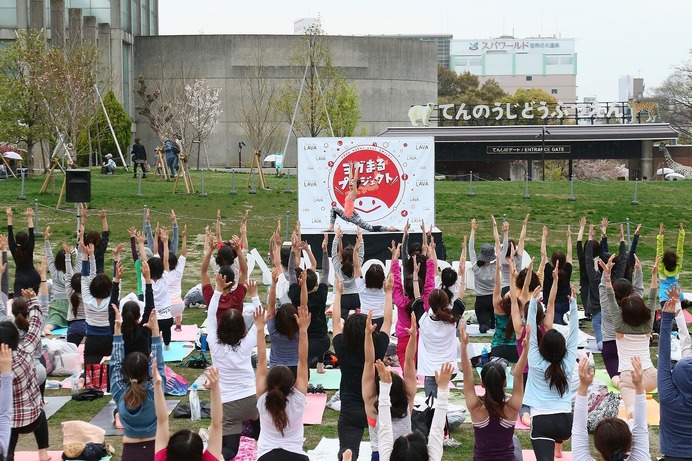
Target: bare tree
x=258, y=96
x=674, y=99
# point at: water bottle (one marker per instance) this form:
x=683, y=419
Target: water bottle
x=75, y=384
x=195, y=409
x=485, y=356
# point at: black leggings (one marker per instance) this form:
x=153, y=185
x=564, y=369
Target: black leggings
x=279, y=454
x=546, y=431
x=165, y=326
x=354, y=219
x=351, y=427
x=484, y=312
x=40, y=429
x=349, y=302
x=26, y=278
x=96, y=347
x=317, y=347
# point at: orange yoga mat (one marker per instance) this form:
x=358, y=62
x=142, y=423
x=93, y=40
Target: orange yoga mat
x=653, y=412
x=33, y=455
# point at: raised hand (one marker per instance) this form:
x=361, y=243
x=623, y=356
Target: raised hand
x=5, y=359
x=212, y=378
x=338, y=286
x=413, y=331
x=389, y=283
x=260, y=318
x=132, y=231
x=637, y=373
x=463, y=335
x=116, y=312
x=325, y=242
x=221, y=282
x=46, y=233
x=383, y=372
x=586, y=373
x=173, y=217
x=395, y=249
x=444, y=376
x=252, y=287
x=303, y=318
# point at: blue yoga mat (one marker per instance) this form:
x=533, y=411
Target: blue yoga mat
x=178, y=351
x=60, y=332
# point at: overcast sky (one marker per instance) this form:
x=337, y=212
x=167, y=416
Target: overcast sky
x=643, y=38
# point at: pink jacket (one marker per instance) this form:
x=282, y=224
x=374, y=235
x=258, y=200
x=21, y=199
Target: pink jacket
x=401, y=300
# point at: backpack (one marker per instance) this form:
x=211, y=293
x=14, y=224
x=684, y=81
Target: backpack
x=422, y=416
x=602, y=405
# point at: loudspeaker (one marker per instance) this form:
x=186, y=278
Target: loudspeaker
x=78, y=186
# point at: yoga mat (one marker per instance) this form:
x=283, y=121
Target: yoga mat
x=104, y=418
x=247, y=451
x=314, y=409
x=178, y=351
x=476, y=349
x=529, y=455
x=327, y=448
x=521, y=426
x=188, y=333
x=53, y=404
x=688, y=316
x=653, y=412
x=602, y=375
x=473, y=330
x=59, y=332
x=33, y=455
x=330, y=379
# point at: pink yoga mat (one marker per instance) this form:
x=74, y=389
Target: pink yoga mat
x=688, y=316
x=188, y=333
x=314, y=409
x=247, y=451
x=529, y=455
x=33, y=456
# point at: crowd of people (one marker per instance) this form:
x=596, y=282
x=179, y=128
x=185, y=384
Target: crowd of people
x=532, y=316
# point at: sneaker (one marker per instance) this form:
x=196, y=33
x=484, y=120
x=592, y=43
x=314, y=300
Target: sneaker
x=319, y=389
x=451, y=443
x=311, y=389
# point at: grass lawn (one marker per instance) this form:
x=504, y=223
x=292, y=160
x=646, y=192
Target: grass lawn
x=658, y=201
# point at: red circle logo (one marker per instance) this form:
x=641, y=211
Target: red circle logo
x=382, y=181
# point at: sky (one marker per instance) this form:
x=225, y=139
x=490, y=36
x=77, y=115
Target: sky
x=642, y=38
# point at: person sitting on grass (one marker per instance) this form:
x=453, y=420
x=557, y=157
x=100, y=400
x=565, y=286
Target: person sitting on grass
x=493, y=415
x=412, y=446
x=108, y=166
x=282, y=398
x=612, y=437
x=133, y=391
x=186, y=444
x=674, y=391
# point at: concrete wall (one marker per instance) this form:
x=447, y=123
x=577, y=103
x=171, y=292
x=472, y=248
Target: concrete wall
x=390, y=74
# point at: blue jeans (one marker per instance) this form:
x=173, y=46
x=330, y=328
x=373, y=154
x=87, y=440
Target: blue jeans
x=172, y=162
x=596, y=324
x=430, y=385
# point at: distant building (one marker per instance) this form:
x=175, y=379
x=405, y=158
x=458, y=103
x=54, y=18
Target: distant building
x=442, y=41
x=630, y=88
x=303, y=24
x=549, y=64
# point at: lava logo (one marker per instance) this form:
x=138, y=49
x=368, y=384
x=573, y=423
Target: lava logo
x=422, y=147
x=421, y=183
x=310, y=147
x=317, y=199
x=309, y=183
x=382, y=182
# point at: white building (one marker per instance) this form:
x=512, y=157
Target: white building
x=549, y=64
x=303, y=24
x=630, y=88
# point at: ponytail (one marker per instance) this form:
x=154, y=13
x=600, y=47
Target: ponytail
x=439, y=304
x=553, y=349
x=130, y=316
x=280, y=382
x=76, y=285
x=20, y=310
x=493, y=376
x=135, y=395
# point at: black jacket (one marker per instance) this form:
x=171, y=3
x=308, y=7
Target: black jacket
x=139, y=152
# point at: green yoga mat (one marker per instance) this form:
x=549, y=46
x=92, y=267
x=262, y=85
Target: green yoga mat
x=330, y=379
x=602, y=375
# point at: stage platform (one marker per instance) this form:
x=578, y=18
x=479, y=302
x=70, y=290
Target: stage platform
x=376, y=243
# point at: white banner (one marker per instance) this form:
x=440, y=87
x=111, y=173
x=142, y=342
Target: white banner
x=397, y=174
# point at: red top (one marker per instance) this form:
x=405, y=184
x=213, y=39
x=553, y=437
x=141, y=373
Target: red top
x=232, y=300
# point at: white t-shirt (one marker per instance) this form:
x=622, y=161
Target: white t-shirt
x=236, y=376
x=437, y=345
x=174, y=282
x=370, y=299
x=270, y=438
x=162, y=299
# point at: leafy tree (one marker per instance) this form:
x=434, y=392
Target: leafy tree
x=100, y=133
x=674, y=100
x=344, y=108
x=533, y=97
x=323, y=82
x=451, y=85
x=23, y=115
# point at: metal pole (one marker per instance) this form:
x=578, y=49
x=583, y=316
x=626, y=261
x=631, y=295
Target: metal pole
x=288, y=182
x=252, y=184
x=543, y=154
x=636, y=189
x=201, y=192
x=144, y=218
x=233, y=191
x=110, y=125
x=526, y=190
x=288, y=222
x=628, y=231
x=471, y=194
x=21, y=195
x=78, y=208
x=37, y=232
x=139, y=185
x=571, y=189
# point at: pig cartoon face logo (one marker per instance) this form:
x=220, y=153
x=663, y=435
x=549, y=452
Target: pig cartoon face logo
x=382, y=182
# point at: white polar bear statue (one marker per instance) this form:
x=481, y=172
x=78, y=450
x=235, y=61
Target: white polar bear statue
x=421, y=113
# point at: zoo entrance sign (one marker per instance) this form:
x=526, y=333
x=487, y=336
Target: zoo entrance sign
x=528, y=149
